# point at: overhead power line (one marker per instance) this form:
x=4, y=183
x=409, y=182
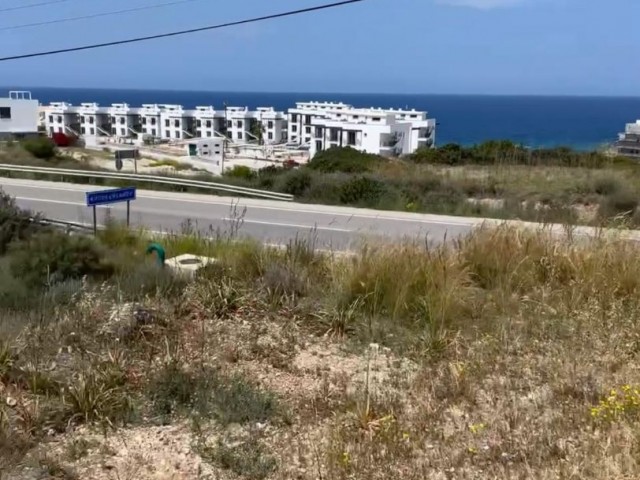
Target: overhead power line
x=33, y=5
x=183, y=32
x=96, y=15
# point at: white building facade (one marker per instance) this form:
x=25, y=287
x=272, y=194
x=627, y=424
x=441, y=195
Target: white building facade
x=18, y=115
x=311, y=126
x=320, y=126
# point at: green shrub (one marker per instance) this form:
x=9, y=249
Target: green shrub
x=241, y=171
x=623, y=202
x=345, y=160
x=53, y=257
x=362, y=191
x=295, y=182
x=607, y=185
x=40, y=147
x=15, y=224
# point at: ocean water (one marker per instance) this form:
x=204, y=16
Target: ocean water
x=583, y=123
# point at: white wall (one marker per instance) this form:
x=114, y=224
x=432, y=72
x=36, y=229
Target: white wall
x=24, y=116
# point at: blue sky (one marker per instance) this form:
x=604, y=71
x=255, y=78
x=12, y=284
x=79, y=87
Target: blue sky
x=568, y=47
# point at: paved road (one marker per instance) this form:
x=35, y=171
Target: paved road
x=340, y=228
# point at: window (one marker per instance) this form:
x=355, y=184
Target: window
x=153, y=121
x=5, y=112
x=319, y=132
x=81, y=118
x=270, y=124
x=294, y=128
x=113, y=119
x=239, y=135
x=167, y=134
x=319, y=145
x=208, y=133
x=92, y=131
x=351, y=138
x=294, y=117
x=153, y=132
x=92, y=120
x=376, y=119
x=209, y=125
x=51, y=130
x=229, y=134
x=239, y=123
x=113, y=131
x=178, y=135
x=356, y=117
x=307, y=130
x=198, y=123
x=50, y=118
x=83, y=130
x=60, y=129
x=229, y=124
x=144, y=120
x=334, y=135
x=167, y=122
x=123, y=132
x=176, y=123
x=270, y=135
x=122, y=120
x=307, y=119
x=59, y=119
x=217, y=152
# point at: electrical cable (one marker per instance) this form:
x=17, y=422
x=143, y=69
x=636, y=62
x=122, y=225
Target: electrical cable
x=95, y=15
x=183, y=32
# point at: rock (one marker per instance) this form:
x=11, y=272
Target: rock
x=11, y=402
x=128, y=319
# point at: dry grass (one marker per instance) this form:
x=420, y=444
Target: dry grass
x=507, y=354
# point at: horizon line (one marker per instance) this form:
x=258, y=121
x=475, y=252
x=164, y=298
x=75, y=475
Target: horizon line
x=282, y=92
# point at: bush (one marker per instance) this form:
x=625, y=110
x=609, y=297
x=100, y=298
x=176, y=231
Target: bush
x=15, y=224
x=40, y=147
x=362, y=191
x=623, y=202
x=53, y=257
x=346, y=160
x=607, y=185
x=295, y=182
x=241, y=171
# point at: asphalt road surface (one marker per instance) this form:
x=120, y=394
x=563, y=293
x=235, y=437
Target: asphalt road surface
x=339, y=228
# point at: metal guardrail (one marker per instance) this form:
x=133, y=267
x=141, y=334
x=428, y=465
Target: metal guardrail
x=183, y=182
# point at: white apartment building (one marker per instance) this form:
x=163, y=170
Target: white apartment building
x=209, y=122
x=95, y=120
x=273, y=125
x=299, y=127
x=61, y=117
x=125, y=121
x=314, y=126
x=628, y=143
x=388, y=132
x=150, y=120
x=176, y=123
x=18, y=115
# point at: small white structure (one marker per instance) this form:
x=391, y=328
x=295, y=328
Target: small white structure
x=18, y=115
x=188, y=264
x=210, y=151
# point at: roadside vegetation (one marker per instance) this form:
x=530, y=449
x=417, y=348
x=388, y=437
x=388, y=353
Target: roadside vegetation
x=506, y=354
x=493, y=180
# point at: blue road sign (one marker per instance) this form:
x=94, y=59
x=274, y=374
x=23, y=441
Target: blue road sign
x=111, y=196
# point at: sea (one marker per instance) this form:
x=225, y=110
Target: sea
x=582, y=123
